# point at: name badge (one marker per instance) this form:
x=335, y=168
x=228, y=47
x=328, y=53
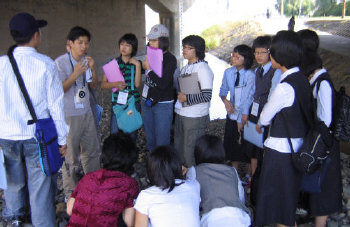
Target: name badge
x=145, y=91
x=255, y=109
x=79, y=98
x=80, y=95
x=78, y=105
x=122, y=97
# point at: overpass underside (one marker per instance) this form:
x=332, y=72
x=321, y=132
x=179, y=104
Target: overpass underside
x=107, y=20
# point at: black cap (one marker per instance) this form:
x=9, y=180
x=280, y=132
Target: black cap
x=25, y=24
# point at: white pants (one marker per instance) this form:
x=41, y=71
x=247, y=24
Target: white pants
x=225, y=217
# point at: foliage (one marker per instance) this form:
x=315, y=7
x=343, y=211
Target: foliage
x=291, y=7
x=330, y=8
x=216, y=34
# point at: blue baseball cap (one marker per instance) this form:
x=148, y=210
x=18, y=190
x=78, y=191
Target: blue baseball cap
x=25, y=24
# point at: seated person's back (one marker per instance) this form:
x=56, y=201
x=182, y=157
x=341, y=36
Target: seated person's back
x=172, y=200
x=222, y=194
x=101, y=196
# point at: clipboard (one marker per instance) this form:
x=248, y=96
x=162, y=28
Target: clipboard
x=113, y=73
x=189, y=84
x=251, y=135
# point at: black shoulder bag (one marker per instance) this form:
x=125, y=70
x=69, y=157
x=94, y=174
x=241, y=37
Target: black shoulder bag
x=312, y=157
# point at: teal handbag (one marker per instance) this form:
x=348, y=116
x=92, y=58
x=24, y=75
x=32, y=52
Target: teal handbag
x=128, y=118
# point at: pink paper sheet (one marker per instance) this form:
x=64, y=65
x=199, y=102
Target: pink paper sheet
x=113, y=73
x=155, y=60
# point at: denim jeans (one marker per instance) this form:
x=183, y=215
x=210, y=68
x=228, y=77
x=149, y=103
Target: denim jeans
x=21, y=156
x=114, y=124
x=157, y=123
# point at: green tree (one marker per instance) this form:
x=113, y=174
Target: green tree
x=291, y=7
x=330, y=8
x=324, y=7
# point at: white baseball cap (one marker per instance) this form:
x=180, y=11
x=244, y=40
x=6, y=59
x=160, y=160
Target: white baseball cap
x=158, y=30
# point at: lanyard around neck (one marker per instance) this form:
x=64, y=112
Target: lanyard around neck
x=71, y=63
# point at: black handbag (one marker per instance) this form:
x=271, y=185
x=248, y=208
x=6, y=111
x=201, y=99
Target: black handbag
x=45, y=132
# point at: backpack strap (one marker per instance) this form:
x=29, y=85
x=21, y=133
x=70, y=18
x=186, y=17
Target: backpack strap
x=317, y=83
x=22, y=85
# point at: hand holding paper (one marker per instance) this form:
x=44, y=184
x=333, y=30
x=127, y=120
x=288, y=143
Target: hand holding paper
x=113, y=73
x=155, y=60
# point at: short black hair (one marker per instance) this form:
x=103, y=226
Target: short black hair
x=198, y=43
x=164, y=43
x=311, y=62
x=209, y=149
x=247, y=53
x=19, y=38
x=163, y=167
x=131, y=39
x=119, y=153
x=286, y=49
x=309, y=39
x=262, y=42
x=77, y=32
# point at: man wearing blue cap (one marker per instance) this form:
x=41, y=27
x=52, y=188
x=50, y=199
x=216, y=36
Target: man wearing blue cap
x=17, y=141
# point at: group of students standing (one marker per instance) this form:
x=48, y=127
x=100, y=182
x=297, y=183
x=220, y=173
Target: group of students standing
x=279, y=88
x=190, y=183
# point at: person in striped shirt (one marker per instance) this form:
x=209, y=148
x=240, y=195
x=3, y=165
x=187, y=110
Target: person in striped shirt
x=18, y=144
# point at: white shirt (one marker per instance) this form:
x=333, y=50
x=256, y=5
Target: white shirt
x=282, y=96
x=324, y=99
x=178, y=208
x=205, y=79
x=45, y=90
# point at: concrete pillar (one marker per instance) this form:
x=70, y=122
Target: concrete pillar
x=168, y=19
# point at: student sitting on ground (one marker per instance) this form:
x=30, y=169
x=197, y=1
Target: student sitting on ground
x=226, y=206
x=101, y=196
x=171, y=201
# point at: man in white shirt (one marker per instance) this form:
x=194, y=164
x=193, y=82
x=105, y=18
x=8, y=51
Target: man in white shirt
x=17, y=140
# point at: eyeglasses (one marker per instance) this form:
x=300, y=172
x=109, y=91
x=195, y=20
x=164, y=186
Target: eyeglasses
x=261, y=53
x=187, y=48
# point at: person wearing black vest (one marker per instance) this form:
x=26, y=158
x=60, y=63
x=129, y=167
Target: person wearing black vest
x=266, y=79
x=279, y=181
x=329, y=200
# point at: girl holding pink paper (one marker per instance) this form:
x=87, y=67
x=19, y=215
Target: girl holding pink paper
x=158, y=93
x=128, y=48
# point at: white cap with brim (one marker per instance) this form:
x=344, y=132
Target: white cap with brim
x=157, y=31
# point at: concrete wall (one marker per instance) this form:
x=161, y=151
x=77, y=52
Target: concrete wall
x=107, y=21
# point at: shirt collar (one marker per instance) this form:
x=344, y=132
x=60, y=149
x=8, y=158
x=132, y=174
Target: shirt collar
x=25, y=49
x=319, y=72
x=73, y=60
x=288, y=72
x=242, y=71
x=267, y=67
